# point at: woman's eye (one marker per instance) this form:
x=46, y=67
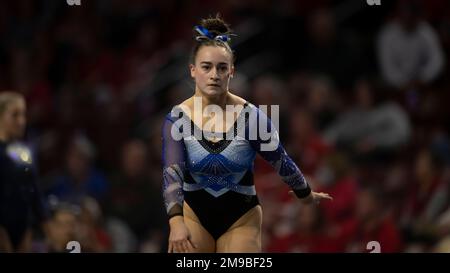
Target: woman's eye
x=205, y=67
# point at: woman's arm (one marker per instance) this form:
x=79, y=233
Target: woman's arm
x=173, y=153
x=173, y=158
x=274, y=153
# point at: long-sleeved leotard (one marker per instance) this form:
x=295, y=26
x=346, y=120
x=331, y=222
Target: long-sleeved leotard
x=216, y=178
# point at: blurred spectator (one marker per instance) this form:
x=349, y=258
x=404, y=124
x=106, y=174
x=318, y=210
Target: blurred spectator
x=21, y=202
x=91, y=232
x=28, y=77
x=368, y=127
x=371, y=223
x=134, y=197
x=62, y=227
x=409, y=50
x=427, y=197
x=334, y=176
x=122, y=238
x=326, y=51
x=322, y=101
x=82, y=223
x=308, y=234
x=267, y=90
x=80, y=178
x=306, y=145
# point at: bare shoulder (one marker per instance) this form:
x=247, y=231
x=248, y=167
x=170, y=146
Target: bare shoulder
x=236, y=100
x=187, y=105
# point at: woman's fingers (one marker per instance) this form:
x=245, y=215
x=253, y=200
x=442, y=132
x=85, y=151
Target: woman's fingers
x=177, y=247
x=191, y=246
x=185, y=246
x=318, y=196
x=324, y=195
x=181, y=247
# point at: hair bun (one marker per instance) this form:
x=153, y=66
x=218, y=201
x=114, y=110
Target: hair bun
x=212, y=31
x=216, y=25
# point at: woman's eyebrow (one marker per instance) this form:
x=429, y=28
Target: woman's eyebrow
x=220, y=63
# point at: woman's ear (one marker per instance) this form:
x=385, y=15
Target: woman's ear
x=232, y=71
x=192, y=69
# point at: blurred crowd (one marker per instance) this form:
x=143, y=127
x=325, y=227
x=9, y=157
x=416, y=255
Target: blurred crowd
x=362, y=93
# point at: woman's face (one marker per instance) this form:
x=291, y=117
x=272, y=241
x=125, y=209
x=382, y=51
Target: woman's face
x=13, y=119
x=212, y=70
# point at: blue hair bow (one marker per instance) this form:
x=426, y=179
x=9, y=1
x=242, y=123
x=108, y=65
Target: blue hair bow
x=205, y=34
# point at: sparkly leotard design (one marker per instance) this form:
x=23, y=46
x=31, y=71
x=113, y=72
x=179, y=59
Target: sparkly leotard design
x=216, y=178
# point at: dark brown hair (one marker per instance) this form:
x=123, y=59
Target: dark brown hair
x=216, y=26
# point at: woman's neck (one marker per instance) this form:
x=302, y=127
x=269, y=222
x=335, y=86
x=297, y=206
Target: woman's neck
x=220, y=100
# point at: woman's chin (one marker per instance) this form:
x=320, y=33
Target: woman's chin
x=213, y=91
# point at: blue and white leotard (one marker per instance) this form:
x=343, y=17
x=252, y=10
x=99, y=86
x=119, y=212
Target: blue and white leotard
x=216, y=178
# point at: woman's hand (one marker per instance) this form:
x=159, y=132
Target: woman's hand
x=313, y=197
x=180, y=237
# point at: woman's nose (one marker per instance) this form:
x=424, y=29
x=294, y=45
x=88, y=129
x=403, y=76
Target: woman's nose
x=214, y=74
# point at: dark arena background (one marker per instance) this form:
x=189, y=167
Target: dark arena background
x=363, y=89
